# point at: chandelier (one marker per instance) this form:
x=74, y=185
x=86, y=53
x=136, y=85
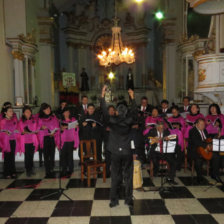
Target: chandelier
x=116, y=54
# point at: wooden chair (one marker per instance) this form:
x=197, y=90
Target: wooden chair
x=89, y=161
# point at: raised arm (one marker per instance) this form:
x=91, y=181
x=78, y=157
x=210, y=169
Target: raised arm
x=103, y=103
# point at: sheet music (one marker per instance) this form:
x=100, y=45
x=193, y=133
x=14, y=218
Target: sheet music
x=94, y=121
x=184, y=114
x=216, y=144
x=53, y=131
x=169, y=146
x=150, y=124
x=73, y=124
x=169, y=115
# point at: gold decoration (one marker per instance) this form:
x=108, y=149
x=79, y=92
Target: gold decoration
x=201, y=75
x=198, y=53
x=18, y=55
x=29, y=38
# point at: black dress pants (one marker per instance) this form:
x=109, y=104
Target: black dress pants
x=9, y=160
x=49, y=154
x=29, y=153
x=119, y=162
x=67, y=157
x=169, y=157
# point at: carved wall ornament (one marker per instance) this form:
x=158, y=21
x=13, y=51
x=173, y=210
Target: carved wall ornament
x=198, y=53
x=201, y=75
x=18, y=55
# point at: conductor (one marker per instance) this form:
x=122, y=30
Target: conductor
x=119, y=144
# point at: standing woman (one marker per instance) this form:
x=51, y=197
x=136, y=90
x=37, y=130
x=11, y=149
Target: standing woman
x=192, y=118
x=69, y=141
x=151, y=121
x=213, y=120
x=48, y=126
x=9, y=137
x=28, y=138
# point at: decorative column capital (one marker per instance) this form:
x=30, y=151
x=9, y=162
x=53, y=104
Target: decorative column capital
x=18, y=55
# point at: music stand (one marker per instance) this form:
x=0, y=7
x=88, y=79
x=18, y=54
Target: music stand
x=60, y=190
x=168, y=147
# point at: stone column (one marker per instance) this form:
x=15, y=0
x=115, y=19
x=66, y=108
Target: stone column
x=18, y=75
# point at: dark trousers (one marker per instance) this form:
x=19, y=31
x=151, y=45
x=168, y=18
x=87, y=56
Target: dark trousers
x=107, y=158
x=40, y=155
x=180, y=157
x=169, y=157
x=29, y=153
x=215, y=164
x=9, y=160
x=67, y=157
x=49, y=153
x=117, y=163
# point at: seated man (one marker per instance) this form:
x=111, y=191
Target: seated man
x=197, y=138
x=158, y=135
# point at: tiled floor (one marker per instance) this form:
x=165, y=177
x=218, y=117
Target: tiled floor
x=21, y=202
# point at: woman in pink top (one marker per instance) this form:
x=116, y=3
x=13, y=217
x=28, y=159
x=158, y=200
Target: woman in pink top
x=9, y=137
x=151, y=121
x=48, y=136
x=69, y=141
x=192, y=118
x=28, y=138
x=213, y=120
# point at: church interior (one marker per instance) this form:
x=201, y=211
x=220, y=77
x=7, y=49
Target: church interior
x=167, y=56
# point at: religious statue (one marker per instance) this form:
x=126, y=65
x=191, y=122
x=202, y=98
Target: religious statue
x=85, y=78
x=130, y=80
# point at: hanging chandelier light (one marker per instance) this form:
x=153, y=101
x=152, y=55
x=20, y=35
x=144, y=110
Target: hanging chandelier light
x=116, y=54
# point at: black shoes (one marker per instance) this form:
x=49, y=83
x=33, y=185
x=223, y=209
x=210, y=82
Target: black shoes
x=129, y=202
x=114, y=203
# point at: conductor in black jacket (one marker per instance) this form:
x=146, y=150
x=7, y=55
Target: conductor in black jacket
x=197, y=137
x=119, y=144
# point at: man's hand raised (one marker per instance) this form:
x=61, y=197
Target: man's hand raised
x=103, y=91
x=131, y=93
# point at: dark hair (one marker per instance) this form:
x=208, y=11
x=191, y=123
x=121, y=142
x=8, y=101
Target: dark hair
x=62, y=114
x=5, y=110
x=175, y=107
x=164, y=101
x=155, y=108
x=63, y=101
x=43, y=107
x=84, y=97
x=91, y=105
x=6, y=104
x=24, y=109
x=144, y=98
x=124, y=102
x=217, y=108
x=187, y=97
x=110, y=106
x=194, y=104
x=199, y=119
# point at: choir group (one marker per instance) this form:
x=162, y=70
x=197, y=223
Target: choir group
x=149, y=127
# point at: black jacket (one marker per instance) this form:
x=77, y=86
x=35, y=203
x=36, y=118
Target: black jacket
x=89, y=132
x=182, y=109
x=195, y=141
x=120, y=134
